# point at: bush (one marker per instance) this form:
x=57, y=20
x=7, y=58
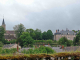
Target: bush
x=43, y=41
x=12, y=41
x=49, y=41
x=41, y=49
x=64, y=41
x=8, y=51
x=1, y=44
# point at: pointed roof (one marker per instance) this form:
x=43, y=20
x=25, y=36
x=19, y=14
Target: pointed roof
x=3, y=23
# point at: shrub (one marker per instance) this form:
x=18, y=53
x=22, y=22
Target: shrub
x=41, y=49
x=43, y=41
x=1, y=44
x=8, y=51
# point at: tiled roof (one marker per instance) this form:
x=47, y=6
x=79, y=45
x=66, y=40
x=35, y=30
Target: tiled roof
x=10, y=32
x=9, y=37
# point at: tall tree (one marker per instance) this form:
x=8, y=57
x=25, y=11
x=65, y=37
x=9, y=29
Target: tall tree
x=38, y=34
x=31, y=32
x=2, y=31
x=26, y=39
x=49, y=34
x=19, y=29
x=44, y=35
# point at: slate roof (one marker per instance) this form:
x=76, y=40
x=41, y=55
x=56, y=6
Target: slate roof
x=65, y=32
x=8, y=45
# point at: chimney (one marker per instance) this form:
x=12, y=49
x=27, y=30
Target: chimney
x=56, y=31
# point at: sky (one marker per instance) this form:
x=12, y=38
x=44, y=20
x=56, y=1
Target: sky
x=42, y=14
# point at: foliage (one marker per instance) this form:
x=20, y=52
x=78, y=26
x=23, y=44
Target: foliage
x=76, y=40
x=75, y=31
x=4, y=41
x=49, y=34
x=20, y=41
x=43, y=41
x=31, y=32
x=19, y=29
x=44, y=35
x=11, y=41
x=64, y=41
x=38, y=34
x=65, y=55
x=1, y=44
x=26, y=39
x=41, y=49
x=2, y=31
x=70, y=42
x=7, y=51
x=54, y=41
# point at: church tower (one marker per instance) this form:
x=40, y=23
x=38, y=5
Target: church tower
x=3, y=24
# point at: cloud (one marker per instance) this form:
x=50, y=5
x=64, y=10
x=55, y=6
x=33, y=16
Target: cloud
x=25, y=2
x=42, y=14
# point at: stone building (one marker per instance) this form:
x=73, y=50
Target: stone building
x=9, y=34
x=68, y=34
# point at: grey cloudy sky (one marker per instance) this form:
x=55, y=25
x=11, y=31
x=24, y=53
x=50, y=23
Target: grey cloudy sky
x=41, y=14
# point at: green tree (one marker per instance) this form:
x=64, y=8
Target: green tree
x=44, y=35
x=26, y=39
x=64, y=41
x=31, y=32
x=2, y=31
x=75, y=31
x=38, y=34
x=20, y=42
x=76, y=39
x=1, y=44
x=19, y=29
x=49, y=34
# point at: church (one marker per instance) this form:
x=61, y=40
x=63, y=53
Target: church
x=9, y=34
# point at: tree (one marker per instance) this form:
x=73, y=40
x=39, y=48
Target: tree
x=19, y=29
x=1, y=44
x=64, y=41
x=38, y=34
x=31, y=32
x=76, y=39
x=2, y=31
x=26, y=39
x=49, y=34
x=44, y=35
x=74, y=31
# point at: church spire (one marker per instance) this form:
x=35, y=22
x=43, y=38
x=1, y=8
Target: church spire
x=3, y=23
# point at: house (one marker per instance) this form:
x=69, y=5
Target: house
x=64, y=33
x=9, y=34
x=9, y=46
